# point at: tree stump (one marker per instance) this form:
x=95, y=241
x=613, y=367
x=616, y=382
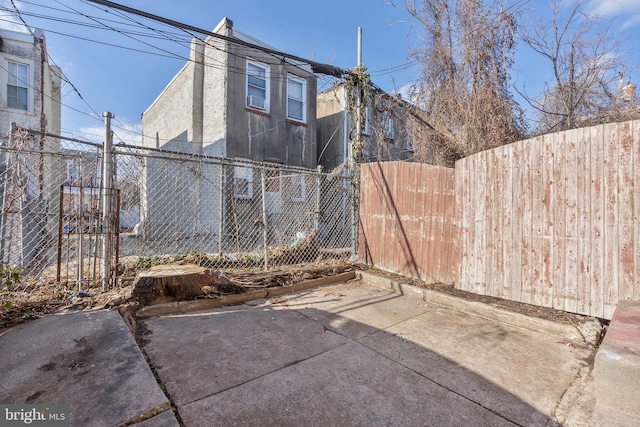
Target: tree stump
x=174, y=282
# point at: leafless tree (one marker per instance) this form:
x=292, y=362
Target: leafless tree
x=463, y=88
x=586, y=63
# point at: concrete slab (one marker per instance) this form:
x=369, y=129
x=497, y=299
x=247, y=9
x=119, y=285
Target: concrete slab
x=354, y=354
x=348, y=385
x=353, y=309
x=201, y=354
x=523, y=375
x=617, y=369
x=587, y=334
x=87, y=360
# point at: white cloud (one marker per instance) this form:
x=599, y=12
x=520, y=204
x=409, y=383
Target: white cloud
x=631, y=21
x=8, y=21
x=130, y=134
x=628, y=11
x=407, y=92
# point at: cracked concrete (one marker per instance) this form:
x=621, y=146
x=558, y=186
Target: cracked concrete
x=344, y=354
x=356, y=354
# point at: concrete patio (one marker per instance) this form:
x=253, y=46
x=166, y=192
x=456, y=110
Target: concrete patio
x=347, y=354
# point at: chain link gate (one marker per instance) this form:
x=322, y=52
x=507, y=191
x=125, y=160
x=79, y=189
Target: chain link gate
x=87, y=235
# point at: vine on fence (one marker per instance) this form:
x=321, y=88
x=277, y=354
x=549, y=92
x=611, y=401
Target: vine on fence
x=358, y=83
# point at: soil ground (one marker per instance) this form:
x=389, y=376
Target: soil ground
x=40, y=299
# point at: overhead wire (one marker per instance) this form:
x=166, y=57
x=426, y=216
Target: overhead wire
x=158, y=34
x=62, y=75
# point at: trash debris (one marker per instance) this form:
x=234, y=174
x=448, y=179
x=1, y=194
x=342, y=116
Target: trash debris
x=300, y=236
x=79, y=294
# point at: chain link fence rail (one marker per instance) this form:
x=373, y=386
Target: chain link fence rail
x=167, y=207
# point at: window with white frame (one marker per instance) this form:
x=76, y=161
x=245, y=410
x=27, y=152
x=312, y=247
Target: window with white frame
x=387, y=122
x=366, y=128
x=296, y=98
x=257, y=85
x=243, y=182
x=273, y=191
x=72, y=171
x=17, y=86
x=298, y=188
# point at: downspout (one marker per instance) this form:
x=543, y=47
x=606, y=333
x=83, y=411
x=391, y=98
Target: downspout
x=43, y=118
x=197, y=56
x=345, y=130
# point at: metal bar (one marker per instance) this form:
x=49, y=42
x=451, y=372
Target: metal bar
x=59, y=264
x=116, y=233
x=107, y=169
x=354, y=213
x=205, y=159
x=80, y=232
x=221, y=209
x=5, y=190
x=265, y=230
x=316, y=217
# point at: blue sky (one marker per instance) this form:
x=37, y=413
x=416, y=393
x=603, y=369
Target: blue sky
x=124, y=73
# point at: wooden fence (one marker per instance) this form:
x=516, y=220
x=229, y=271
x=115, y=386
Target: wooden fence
x=407, y=220
x=551, y=221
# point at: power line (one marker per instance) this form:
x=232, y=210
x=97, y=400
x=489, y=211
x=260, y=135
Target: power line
x=315, y=66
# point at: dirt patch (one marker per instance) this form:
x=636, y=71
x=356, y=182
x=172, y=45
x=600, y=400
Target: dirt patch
x=46, y=298
x=43, y=298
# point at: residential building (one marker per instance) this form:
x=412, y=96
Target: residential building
x=29, y=99
x=230, y=101
x=236, y=102
x=384, y=134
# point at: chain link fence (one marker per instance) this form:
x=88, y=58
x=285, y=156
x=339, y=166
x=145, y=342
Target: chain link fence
x=165, y=207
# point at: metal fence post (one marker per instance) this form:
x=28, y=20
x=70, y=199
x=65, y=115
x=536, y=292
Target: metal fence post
x=107, y=169
x=221, y=208
x=5, y=196
x=355, y=184
x=316, y=217
x=265, y=231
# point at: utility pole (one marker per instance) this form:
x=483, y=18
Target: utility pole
x=107, y=190
x=353, y=169
x=359, y=108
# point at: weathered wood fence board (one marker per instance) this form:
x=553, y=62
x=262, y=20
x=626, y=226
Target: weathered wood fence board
x=561, y=218
x=407, y=220
x=552, y=221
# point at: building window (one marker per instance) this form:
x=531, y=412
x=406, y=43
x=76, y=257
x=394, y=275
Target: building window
x=387, y=122
x=296, y=98
x=366, y=128
x=243, y=182
x=273, y=191
x=257, y=85
x=72, y=171
x=298, y=189
x=17, y=88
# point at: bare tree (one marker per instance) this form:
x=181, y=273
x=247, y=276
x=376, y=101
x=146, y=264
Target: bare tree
x=586, y=62
x=463, y=88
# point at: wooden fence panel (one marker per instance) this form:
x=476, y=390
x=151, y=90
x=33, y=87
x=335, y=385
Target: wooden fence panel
x=561, y=219
x=408, y=220
x=583, y=209
x=597, y=282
